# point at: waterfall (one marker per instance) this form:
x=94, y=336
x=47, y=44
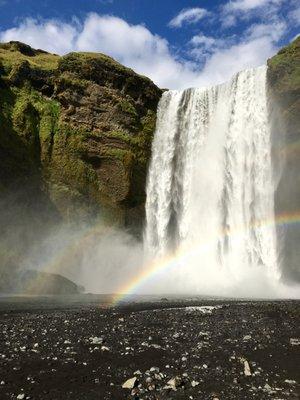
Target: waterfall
x=210, y=185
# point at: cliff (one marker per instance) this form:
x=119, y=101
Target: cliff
x=75, y=141
x=78, y=129
x=284, y=91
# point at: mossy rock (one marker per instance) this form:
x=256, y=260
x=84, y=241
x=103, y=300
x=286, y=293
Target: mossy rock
x=81, y=124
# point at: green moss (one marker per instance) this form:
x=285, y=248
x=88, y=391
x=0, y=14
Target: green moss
x=128, y=107
x=284, y=67
x=71, y=81
x=126, y=156
x=25, y=120
x=140, y=144
x=85, y=63
x=148, y=123
x=10, y=55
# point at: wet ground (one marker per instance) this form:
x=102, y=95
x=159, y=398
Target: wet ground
x=155, y=349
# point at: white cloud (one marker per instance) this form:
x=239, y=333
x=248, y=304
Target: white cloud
x=202, y=46
x=294, y=15
x=274, y=30
x=246, y=5
x=225, y=62
x=246, y=9
x=53, y=36
x=206, y=41
x=188, y=16
x=149, y=54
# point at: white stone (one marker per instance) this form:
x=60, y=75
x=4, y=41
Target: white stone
x=290, y=382
x=138, y=372
x=96, y=340
x=247, y=370
x=130, y=383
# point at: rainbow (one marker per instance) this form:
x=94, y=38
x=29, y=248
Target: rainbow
x=182, y=256
x=153, y=269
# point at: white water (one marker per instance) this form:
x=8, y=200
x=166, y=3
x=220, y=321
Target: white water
x=210, y=191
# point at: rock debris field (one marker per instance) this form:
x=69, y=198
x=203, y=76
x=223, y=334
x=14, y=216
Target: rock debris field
x=157, y=350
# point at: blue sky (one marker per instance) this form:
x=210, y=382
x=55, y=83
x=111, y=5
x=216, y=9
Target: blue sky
x=177, y=43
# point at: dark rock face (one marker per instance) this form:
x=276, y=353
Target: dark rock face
x=284, y=85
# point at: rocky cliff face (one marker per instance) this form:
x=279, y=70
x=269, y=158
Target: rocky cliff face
x=284, y=85
x=75, y=140
x=78, y=129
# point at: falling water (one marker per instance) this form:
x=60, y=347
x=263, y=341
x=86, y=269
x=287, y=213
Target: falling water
x=210, y=184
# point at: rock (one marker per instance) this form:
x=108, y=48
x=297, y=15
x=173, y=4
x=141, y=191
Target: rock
x=194, y=383
x=174, y=383
x=130, y=383
x=138, y=372
x=246, y=338
x=294, y=342
x=247, y=370
x=95, y=118
x=21, y=396
x=96, y=340
x=31, y=282
x=290, y=381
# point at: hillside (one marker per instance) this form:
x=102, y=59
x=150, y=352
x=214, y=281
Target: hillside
x=82, y=125
x=284, y=91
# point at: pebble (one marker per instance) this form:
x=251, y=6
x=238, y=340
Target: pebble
x=130, y=383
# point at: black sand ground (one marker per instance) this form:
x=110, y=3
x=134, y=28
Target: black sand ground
x=78, y=350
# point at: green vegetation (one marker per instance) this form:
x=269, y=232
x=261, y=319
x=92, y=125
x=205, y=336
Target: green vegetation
x=127, y=107
x=81, y=124
x=71, y=81
x=285, y=67
x=87, y=64
x=284, y=83
x=10, y=55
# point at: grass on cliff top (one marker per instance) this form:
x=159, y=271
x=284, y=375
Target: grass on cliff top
x=10, y=55
x=287, y=63
x=87, y=56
